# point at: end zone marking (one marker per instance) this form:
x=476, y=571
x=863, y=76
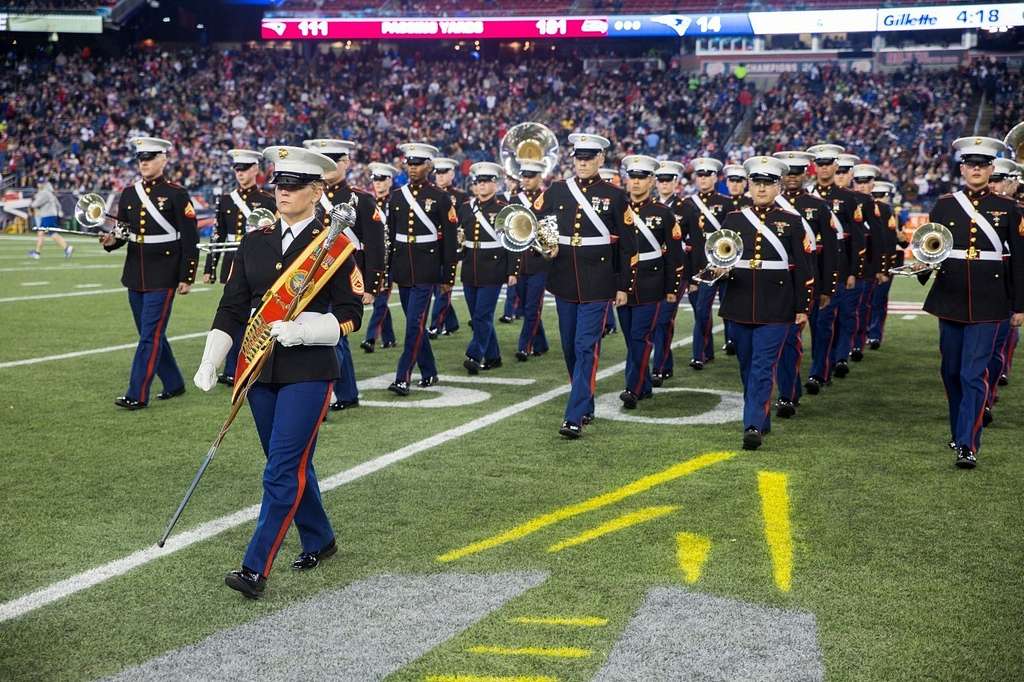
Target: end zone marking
x=486, y=678
x=772, y=486
x=679, y=470
x=569, y=621
x=691, y=553
x=546, y=652
x=620, y=523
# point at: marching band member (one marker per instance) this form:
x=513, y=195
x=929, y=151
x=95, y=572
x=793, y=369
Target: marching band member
x=382, y=176
x=422, y=224
x=816, y=219
x=769, y=290
x=161, y=262
x=736, y=183
x=485, y=266
x=663, y=363
x=232, y=211
x=530, y=271
x=883, y=254
x=975, y=288
x=590, y=269
x=882, y=193
x=367, y=235
x=291, y=396
x=702, y=214
x=443, y=319
x=849, y=210
x=657, y=275
x=611, y=176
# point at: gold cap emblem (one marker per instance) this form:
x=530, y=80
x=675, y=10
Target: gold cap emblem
x=282, y=153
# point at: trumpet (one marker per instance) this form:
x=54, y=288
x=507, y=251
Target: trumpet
x=91, y=214
x=930, y=244
x=519, y=229
x=723, y=249
x=258, y=219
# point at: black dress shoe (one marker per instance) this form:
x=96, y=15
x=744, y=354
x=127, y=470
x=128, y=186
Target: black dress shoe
x=399, y=388
x=522, y=355
x=250, y=583
x=696, y=364
x=128, y=404
x=784, y=409
x=505, y=319
x=389, y=344
x=965, y=458
x=842, y=369
x=339, y=405
x=588, y=419
x=570, y=430
x=874, y=344
x=1003, y=380
x=813, y=385
x=729, y=348
x=629, y=400
x=167, y=395
x=449, y=332
x=472, y=366
x=856, y=354
x=308, y=560
x=751, y=439
x=492, y=363
x=952, y=444
x=427, y=381
x=226, y=379
x=656, y=380
x=367, y=346
x=986, y=417
x=432, y=333
x=538, y=353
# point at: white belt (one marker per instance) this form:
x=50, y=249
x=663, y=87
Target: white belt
x=482, y=245
x=650, y=255
x=584, y=241
x=416, y=238
x=961, y=254
x=230, y=237
x=153, y=239
x=762, y=265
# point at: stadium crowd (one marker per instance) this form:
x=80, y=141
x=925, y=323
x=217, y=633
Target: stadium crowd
x=66, y=118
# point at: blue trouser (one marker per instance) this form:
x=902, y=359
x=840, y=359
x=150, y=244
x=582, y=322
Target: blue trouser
x=703, y=341
x=997, y=363
x=723, y=285
x=864, y=313
x=848, y=319
x=879, y=311
x=380, y=325
x=443, y=318
x=530, y=288
x=287, y=419
x=823, y=336
x=580, y=326
x=482, y=301
x=151, y=311
x=966, y=350
x=232, y=360
x=758, y=347
x=788, y=374
x=638, y=323
x=663, y=362
x=345, y=385
x=416, y=349
x=513, y=302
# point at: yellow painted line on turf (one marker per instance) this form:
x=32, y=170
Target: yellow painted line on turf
x=644, y=484
x=691, y=553
x=543, y=652
x=569, y=621
x=617, y=524
x=772, y=487
x=487, y=678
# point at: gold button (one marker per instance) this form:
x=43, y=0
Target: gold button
x=142, y=221
x=142, y=212
x=277, y=266
x=142, y=230
x=577, y=225
x=975, y=202
x=973, y=230
x=148, y=190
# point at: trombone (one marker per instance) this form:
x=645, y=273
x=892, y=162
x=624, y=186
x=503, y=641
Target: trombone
x=258, y=219
x=930, y=245
x=519, y=229
x=723, y=249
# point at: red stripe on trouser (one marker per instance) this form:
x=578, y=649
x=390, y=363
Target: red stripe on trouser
x=647, y=351
x=301, y=488
x=416, y=346
x=597, y=353
x=444, y=311
x=976, y=429
x=667, y=348
x=831, y=343
x=151, y=364
x=775, y=367
x=536, y=324
x=799, y=360
x=709, y=345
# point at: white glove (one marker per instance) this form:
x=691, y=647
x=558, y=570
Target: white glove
x=308, y=329
x=218, y=345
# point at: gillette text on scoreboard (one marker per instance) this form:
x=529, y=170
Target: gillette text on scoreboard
x=916, y=18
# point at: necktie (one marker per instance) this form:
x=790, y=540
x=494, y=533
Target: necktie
x=286, y=239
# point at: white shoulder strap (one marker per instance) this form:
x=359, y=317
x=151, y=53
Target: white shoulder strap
x=980, y=220
x=482, y=219
x=237, y=199
x=641, y=226
x=788, y=206
x=708, y=215
x=587, y=209
x=524, y=200
x=767, y=234
x=418, y=210
x=157, y=215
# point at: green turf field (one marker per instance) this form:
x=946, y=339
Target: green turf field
x=852, y=511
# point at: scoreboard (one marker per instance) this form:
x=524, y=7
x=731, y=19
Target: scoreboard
x=910, y=18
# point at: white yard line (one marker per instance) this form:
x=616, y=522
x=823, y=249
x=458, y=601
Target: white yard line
x=91, y=351
x=87, y=286
x=69, y=267
x=82, y=581
x=34, y=284
x=65, y=294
